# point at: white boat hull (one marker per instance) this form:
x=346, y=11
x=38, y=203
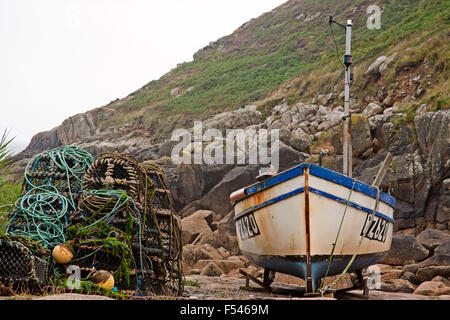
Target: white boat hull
x=289, y=223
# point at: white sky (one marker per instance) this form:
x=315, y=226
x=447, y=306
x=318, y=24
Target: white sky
x=62, y=57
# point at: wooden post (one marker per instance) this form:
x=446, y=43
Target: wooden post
x=383, y=169
x=347, y=141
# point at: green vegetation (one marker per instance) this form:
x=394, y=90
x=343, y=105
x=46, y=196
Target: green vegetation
x=5, y=153
x=437, y=101
x=191, y=283
x=394, y=166
x=288, y=54
x=103, y=236
x=9, y=191
x=408, y=113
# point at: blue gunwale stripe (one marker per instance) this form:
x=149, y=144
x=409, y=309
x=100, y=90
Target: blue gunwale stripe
x=269, y=202
x=352, y=204
x=348, y=182
x=314, y=190
x=324, y=174
x=279, y=178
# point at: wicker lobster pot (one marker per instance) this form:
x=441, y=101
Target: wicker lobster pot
x=62, y=168
x=52, y=184
x=50, y=191
x=19, y=267
x=147, y=217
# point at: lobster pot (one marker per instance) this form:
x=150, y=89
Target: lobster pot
x=42, y=171
x=98, y=258
x=169, y=225
x=38, y=214
x=20, y=267
x=113, y=215
x=63, y=168
x=98, y=206
x=50, y=192
x=155, y=240
x=117, y=172
x=172, y=248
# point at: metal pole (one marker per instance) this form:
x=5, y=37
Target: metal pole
x=347, y=152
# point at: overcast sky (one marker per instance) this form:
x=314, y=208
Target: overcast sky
x=62, y=57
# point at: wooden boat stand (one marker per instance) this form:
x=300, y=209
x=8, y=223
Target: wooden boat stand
x=269, y=276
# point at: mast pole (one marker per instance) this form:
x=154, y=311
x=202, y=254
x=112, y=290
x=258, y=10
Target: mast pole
x=347, y=139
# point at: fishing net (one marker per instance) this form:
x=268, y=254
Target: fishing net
x=18, y=265
x=126, y=225
x=50, y=191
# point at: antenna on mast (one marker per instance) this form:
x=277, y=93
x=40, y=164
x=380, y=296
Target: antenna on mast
x=347, y=141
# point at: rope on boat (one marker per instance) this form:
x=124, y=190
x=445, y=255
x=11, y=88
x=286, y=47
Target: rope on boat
x=323, y=289
x=337, y=235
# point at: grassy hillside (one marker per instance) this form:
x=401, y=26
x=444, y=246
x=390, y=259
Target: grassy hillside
x=289, y=53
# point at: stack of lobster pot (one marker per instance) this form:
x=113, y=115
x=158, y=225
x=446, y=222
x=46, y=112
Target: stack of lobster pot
x=169, y=225
x=141, y=210
x=50, y=192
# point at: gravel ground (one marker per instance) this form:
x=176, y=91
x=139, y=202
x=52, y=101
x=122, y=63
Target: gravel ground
x=199, y=287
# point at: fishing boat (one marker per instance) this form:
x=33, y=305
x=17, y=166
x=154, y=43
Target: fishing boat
x=312, y=222
x=289, y=222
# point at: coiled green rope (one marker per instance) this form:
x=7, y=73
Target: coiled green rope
x=39, y=214
x=80, y=161
x=42, y=210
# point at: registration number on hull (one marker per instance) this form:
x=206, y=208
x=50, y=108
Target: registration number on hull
x=378, y=229
x=247, y=226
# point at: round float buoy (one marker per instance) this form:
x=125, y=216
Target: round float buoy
x=103, y=279
x=62, y=254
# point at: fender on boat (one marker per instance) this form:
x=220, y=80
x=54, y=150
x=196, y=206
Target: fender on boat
x=237, y=195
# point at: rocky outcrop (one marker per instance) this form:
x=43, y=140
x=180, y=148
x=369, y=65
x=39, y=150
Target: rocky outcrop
x=218, y=198
x=436, y=260
x=443, y=249
x=398, y=285
x=380, y=65
x=433, y=136
x=211, y=270
x=76, y=129
x=429, y=273
x=433, y=288
x=43, y=141
x=238, y=119
x=417, y=266
x=432, y=239
x=195, y=224
x=405, y=248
